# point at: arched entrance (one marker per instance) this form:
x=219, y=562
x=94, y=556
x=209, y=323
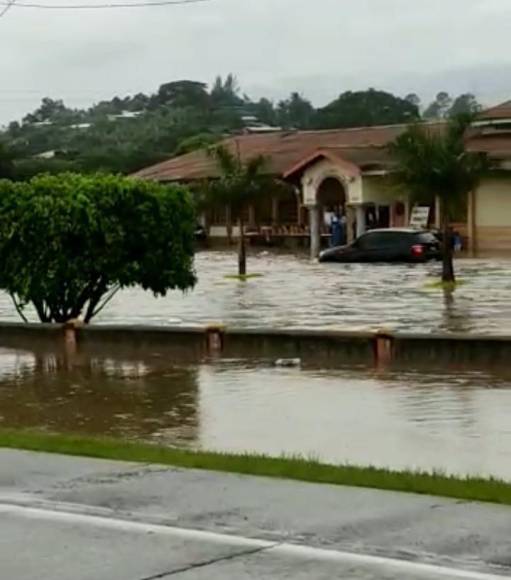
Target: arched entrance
x=331, y=198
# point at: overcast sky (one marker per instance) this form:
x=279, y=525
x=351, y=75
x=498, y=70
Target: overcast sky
x=319, y=47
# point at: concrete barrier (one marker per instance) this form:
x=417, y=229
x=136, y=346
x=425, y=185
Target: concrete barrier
x=319, y=348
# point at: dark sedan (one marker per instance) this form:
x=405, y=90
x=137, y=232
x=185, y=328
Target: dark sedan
x=388, y=245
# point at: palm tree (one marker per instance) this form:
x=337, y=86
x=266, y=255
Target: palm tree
x=241, y=184
x=433, y=162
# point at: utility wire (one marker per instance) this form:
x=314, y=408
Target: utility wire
x=6, y=7
x=39, y=6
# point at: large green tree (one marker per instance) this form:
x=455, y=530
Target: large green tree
x=296, y=112
x=68, y=243
x=465, y=104
x=365, y=108
x=439, y=108
x=184, y=93
x=432, y=163
x=225, y=93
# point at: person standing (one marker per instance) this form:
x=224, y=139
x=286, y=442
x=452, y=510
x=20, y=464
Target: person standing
x=327, y=219
x=338, y=231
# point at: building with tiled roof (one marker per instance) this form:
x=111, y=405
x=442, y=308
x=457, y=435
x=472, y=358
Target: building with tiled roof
x=348, y=170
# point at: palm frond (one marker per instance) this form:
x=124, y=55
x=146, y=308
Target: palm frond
x=227, y=162
x=255, y=166
x=432, y=163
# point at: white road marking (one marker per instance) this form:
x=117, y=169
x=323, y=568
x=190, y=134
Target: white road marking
x=276, y=548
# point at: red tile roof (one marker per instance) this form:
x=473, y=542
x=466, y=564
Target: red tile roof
x=502, y=111
x=283, y=150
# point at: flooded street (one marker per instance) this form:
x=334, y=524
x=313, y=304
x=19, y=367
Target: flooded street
x=453, y=420
x=457, y=422
x=294, y=292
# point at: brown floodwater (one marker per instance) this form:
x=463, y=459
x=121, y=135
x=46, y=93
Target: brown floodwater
x=456, y=421
x=296, y=293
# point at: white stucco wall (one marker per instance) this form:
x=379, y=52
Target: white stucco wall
x=315, y=175
x=493, y=203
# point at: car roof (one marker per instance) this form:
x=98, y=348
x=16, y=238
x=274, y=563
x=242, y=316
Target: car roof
x=400, y=231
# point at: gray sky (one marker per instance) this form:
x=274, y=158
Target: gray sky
x=319, y=47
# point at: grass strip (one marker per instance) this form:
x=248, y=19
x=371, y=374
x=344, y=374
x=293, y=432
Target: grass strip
x=293, y=468
x=243, y=277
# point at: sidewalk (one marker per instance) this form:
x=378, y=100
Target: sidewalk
x=466, y=536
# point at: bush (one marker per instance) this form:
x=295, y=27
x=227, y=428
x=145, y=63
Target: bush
x=68, y=243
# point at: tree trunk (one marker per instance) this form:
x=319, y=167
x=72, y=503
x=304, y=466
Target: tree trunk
x=447, y=261
x=242, y=252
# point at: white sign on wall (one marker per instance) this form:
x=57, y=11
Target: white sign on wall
x=419, y=217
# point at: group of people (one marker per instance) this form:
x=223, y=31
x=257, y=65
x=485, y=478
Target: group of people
x=336, y=223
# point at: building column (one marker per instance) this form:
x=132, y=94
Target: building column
x=350, y=221
x=361, y=220
x=471, y=222
x=299, y=208
x=408, y=213
x=438, y=213
x=251, y=216
x=275, y=211
x=228, y=222
x=315, y=230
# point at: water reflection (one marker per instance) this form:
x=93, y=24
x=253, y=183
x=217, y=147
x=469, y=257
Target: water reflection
x=101, y=396
x=456, y=316
x=451, y=419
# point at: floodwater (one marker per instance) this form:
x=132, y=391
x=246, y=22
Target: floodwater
x=294, y=292
x=424, y=419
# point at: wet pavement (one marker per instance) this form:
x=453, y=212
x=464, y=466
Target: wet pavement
x=295, y=293
x=455, y=420
x=85, y=518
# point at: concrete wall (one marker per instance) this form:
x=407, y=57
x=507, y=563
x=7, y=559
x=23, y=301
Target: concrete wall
x=493, y=214
x=316, y=349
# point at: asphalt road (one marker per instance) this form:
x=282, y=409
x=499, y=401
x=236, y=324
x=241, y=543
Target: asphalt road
x=63, y=518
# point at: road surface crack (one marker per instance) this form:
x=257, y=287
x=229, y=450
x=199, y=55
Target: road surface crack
x=211, y=562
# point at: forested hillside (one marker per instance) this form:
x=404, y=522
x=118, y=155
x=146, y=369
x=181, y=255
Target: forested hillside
x=128, y=133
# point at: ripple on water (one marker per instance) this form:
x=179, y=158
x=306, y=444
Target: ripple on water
x=296, y=293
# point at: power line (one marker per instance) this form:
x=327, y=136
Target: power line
x=5, y=9
x=39, y=6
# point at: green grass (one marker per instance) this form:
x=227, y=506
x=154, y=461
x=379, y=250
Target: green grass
x=441, y=285
x=295, y=468
x=242, y=278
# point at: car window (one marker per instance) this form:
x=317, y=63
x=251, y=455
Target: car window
x=426, y=238
x=374, y=240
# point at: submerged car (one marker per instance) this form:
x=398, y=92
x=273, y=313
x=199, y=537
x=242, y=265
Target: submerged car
x=388, y=245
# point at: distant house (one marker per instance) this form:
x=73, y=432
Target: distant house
x=251, y=124
x=124, y=115
x=50, y=154
x=45, y=123
x=350, y=169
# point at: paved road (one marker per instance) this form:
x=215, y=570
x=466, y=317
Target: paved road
x=64, y=518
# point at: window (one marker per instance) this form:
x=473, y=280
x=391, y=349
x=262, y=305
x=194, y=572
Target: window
x=375, y=240
x=426, y=238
